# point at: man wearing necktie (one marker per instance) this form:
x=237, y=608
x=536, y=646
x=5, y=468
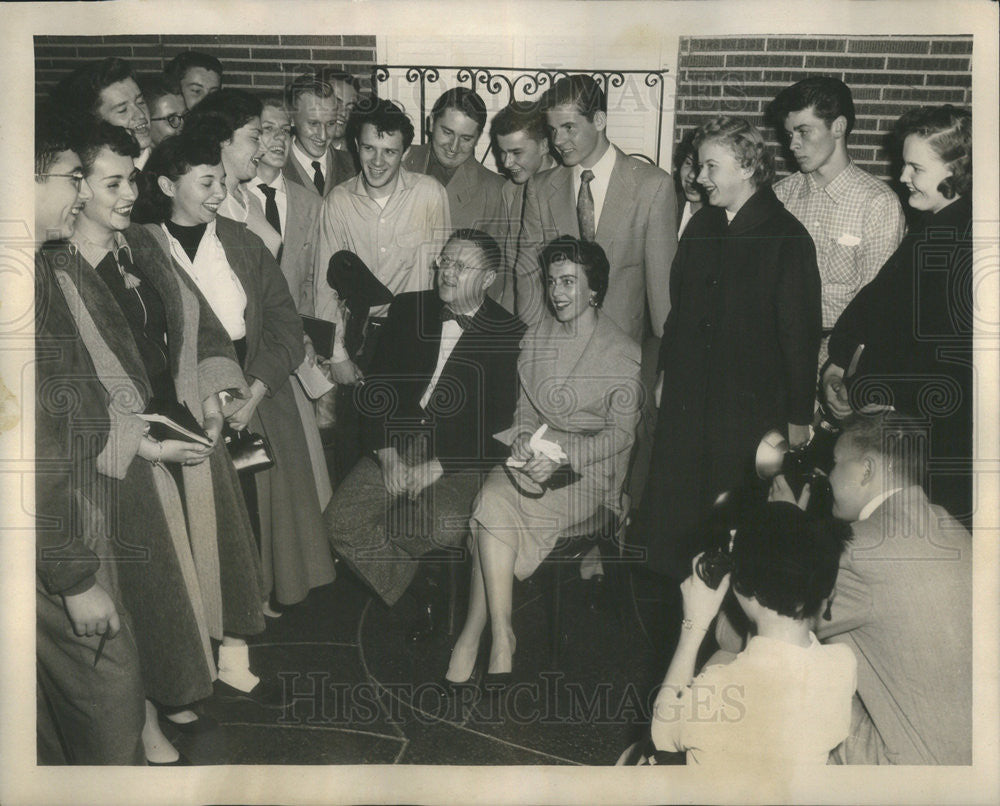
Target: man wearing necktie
x=627, y=206
x=315, y=111
x=442, y=382
x=291, y=209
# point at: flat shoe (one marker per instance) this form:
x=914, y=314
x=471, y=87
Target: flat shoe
x=203, y=724
x=180, y=761
x=266, y=693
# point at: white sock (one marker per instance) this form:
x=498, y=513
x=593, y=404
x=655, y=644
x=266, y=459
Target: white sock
x=234, y=667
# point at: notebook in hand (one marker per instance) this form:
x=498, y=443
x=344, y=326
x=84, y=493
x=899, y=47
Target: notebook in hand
x=169, y=419
x=320, y=333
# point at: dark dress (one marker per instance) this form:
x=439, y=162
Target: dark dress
x=915, y=321
x=739, y=358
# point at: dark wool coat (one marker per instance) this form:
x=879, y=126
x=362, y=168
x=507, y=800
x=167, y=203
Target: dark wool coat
x=294, y=550
x=739, y=358
x=915, y=322
x=188, y=572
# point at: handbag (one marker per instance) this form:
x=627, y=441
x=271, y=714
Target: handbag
x=250, y=452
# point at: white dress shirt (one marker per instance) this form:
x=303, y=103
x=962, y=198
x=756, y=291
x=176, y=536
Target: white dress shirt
x=451, y=332
x=280, y=197
x=306, y=163
x=599, y=184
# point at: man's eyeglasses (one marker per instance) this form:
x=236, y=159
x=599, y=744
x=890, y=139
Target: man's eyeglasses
x=445, y=263
x=174, y=121
x=76, y=176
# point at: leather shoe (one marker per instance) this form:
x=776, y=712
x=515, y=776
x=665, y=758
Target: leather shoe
x=453, y=689
x=180, y=761
x=267, y=693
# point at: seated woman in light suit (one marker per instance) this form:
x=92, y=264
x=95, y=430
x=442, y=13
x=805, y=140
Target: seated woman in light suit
x=579, y=377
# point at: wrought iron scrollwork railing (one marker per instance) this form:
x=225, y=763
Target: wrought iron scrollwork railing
x=521, y=83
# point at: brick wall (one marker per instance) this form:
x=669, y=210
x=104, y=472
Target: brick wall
x=887, y=75
x=251, y=62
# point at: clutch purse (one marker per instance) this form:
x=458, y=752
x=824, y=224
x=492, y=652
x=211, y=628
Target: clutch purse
x=249, y=451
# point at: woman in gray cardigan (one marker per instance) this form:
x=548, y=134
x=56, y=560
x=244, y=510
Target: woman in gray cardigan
x=579, y=379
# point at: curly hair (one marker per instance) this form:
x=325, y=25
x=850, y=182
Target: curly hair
x=948, y=130
x=385, y=116
x=744, y=140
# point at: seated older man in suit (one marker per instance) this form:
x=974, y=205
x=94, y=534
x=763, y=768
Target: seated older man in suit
x=474, y=192
x=317, y=118
x=903, y=600
x=443, y=381
x=521, y=143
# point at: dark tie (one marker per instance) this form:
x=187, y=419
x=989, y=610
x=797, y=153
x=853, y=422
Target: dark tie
x=271, y=207
x=463, y=319
x=318, y=177
x=585, y=207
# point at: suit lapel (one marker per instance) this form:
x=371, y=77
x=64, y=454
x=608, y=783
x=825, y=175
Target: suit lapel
x=562, y=203
x=618, y=201
x=463, y=184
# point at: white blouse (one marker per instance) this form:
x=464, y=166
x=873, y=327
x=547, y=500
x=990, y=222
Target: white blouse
x=211, y=272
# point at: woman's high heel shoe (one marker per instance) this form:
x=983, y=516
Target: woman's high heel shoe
x=497, y=682
x=453, y=689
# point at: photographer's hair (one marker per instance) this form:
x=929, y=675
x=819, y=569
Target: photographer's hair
x=90, y=140
x=155, y=86
x=828, y=97
x=53, y=135
x=177, y=68
x=172, y=158
x=235, y=107
x=385, y=116
x=744, y=140
x=948, y=130
x=785, y=560
x=901, y=442
x=587, y=254
x=580, y=90
x=465, y=101
x=78, y=95
x=519, y=116
x=486, y=244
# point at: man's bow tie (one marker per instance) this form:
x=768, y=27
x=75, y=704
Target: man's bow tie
x=463, y=319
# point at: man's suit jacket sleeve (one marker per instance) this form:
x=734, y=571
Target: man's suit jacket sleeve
x=661, y=246
x=378, y=398
x=852, y=602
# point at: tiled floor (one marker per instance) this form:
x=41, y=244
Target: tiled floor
x=358, y=692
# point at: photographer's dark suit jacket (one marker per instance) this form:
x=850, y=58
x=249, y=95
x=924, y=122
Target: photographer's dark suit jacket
x=473, y=399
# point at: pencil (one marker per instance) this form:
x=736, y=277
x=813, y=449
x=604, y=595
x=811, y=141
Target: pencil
x=100, y=647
